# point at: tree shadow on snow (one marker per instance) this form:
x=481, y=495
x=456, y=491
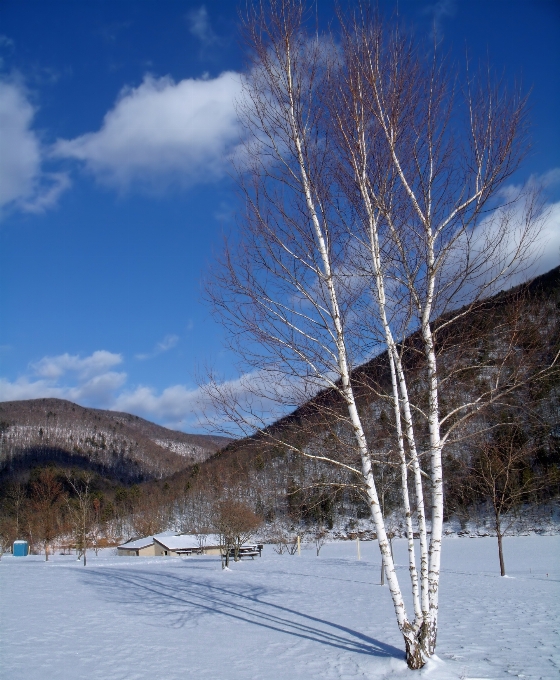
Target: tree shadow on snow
x=181, y=601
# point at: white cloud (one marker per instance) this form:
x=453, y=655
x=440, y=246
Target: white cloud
x=163, y=131
x=165, y=345
x=199, y=26
x=54, y=367
x=20, y=158
x=175, y=405
x=100, y=389
x=181, y=407
x=90, y=381
x=549, y=179
x=86, y=380
x=550, y=239
x=23, y=183
x=439, y=11
x=544, y=251
x=6, y=42
x=23, y=388
x=515, y=242
x=53, y=185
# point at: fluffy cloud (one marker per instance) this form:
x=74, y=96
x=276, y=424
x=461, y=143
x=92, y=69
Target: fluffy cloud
x=97, y=391
x=514, y=243
x=180, y=407
x=548, y=246
x=163, y=131
x=54, y=367
x=20, y=159
x=175, y=406
x=23, y=388
x=87, y=380
x=23, y=183
x=91, y=381
x=543, y=250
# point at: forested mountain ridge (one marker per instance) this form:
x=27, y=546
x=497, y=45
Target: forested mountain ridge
x=542, y=291
x=115, y=444
x=277, y=480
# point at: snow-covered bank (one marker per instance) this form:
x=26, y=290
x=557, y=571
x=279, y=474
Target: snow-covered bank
x=277, y=617
x=543, y=520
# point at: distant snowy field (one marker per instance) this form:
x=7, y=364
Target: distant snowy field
x=277, y=617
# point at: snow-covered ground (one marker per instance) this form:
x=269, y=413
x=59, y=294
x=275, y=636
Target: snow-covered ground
x=276, y=617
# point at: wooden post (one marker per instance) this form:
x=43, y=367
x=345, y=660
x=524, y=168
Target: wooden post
x=358, y=547
x=298, y=546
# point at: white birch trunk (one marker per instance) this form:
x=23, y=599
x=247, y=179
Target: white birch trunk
x=415, y=656
x=436, y=471
x=400, y=400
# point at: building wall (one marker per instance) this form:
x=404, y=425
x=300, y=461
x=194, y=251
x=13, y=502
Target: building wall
x=148, y=551
x=121, y=552
x=159, y=550
x=212, y=550
x=162, y=551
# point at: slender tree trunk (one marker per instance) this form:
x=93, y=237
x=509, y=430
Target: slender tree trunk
x=436, y=472
x=500, y=546
x=400, y=400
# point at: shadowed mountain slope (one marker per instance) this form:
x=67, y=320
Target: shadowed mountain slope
x=118, y=445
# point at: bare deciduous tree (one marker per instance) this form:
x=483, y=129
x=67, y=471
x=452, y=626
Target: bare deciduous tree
x=235, y=522
x=47, y=498
x=372, y=226
x=13, y=507
x=80, y=508
x=197, y=511
x=500, y=472
x=319, y=536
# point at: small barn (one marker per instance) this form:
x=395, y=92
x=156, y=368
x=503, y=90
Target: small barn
x=187, y=544
x=20, y=549
x=137, y=548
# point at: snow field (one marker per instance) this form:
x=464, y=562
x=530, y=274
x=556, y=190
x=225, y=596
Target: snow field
x=326, y=617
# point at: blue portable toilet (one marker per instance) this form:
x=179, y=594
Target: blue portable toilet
x=20, y=549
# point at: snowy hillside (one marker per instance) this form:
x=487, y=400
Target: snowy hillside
x=118, y=444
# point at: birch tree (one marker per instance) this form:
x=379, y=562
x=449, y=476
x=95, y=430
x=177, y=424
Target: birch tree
x=80, y=508
x=372, y=226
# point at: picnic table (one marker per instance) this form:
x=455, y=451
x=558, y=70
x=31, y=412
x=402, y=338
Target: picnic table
x=189, y=551
x=247, y=551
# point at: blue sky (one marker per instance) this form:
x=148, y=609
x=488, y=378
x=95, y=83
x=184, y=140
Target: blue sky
x=117, y=121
